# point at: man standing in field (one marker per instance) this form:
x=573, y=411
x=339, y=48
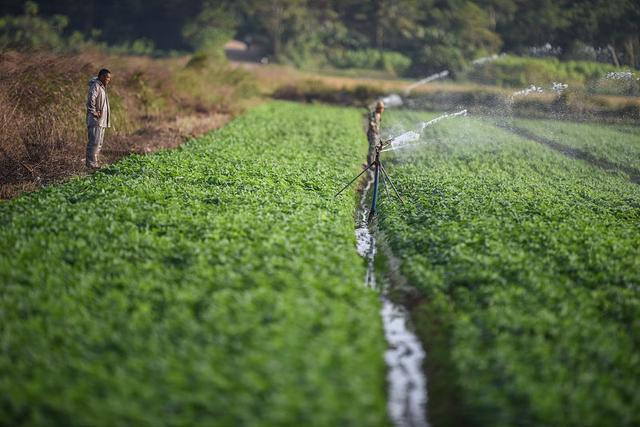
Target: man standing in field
x=373, y=132
x=98, y=115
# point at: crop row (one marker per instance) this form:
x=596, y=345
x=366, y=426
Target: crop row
x=216, y=284
x=528, y=265
x=617, y=144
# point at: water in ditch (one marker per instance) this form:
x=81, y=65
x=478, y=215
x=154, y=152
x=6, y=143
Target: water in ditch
x=407, y=385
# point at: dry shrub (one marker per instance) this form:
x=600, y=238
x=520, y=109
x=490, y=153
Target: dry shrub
x=42, y=109
x=41, y=114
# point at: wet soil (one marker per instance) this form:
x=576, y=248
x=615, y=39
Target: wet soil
x=407, y=389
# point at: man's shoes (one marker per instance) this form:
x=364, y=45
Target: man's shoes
x=92, y=166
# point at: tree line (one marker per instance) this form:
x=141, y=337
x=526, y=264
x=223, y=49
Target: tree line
x=415, y=36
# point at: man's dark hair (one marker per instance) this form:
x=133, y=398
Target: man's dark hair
x=103, y=72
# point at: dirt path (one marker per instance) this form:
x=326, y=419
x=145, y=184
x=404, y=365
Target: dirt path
x=155, y=136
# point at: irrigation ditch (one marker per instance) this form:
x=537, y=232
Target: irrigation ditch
x=421, y=354
x=404, y=357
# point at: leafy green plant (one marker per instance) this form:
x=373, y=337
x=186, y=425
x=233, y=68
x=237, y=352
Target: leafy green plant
x=216, y=284
x=528, y=268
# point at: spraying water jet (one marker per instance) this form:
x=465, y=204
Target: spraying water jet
x=376, y=166
x=431, y=78
x=404, y=140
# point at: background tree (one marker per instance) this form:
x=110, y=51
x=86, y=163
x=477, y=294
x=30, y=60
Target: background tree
x=211, y=29
x=279, y=21
x=611, y=23
x=431, y=34
x=525, y=23
x=32, y=32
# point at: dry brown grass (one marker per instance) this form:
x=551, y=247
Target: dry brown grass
x=155, y=104
x=273, y=77
x=576, y=104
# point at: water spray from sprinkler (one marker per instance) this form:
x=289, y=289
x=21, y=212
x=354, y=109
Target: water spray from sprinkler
x=406, y=139
x=400, y=141
x=392, y=100
x=431, y=78
x=559, y=87
x=486, y=59
x=527, y=91
x=620, y=75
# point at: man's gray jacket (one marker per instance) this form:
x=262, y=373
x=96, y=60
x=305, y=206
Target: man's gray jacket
x=97, y=100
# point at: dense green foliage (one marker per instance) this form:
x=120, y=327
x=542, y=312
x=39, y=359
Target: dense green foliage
x=212, y=285
x=435, y=34
x=520, y=71
x=32, y=32
x=210, y=30
x=392, y=62
x=529, y=267
x=619, y=145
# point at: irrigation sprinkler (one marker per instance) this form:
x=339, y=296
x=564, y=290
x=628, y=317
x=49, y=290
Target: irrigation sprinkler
x=405, y=140
x=378, y=172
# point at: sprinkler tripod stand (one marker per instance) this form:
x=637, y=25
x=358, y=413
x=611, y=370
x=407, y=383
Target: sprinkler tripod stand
x=377, y=167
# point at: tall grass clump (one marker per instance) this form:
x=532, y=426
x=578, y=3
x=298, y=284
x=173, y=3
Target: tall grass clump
x=41, y=115
x=42, y=107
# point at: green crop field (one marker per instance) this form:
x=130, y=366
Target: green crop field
x=528, y=264
x=216, y=284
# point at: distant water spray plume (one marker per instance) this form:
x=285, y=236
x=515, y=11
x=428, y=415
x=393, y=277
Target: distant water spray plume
x=559, y=87
x=486, y=59
x=392, y=100
x=431, y=78
x=527, y=91
x=620, y=75
x=442, y=117
x=407, y=139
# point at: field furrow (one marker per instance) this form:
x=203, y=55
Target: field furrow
x=616, y=145
x=529, y=269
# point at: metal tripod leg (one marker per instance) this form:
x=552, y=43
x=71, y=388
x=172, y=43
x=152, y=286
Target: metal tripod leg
x=384, y=185
x=376, y=179
x=351, y=182
x=391, y=182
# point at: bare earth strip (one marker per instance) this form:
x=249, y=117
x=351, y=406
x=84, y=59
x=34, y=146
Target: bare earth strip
x=156, y=136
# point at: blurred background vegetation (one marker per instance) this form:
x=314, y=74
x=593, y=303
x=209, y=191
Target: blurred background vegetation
x=403, y=37
x=172, y=78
